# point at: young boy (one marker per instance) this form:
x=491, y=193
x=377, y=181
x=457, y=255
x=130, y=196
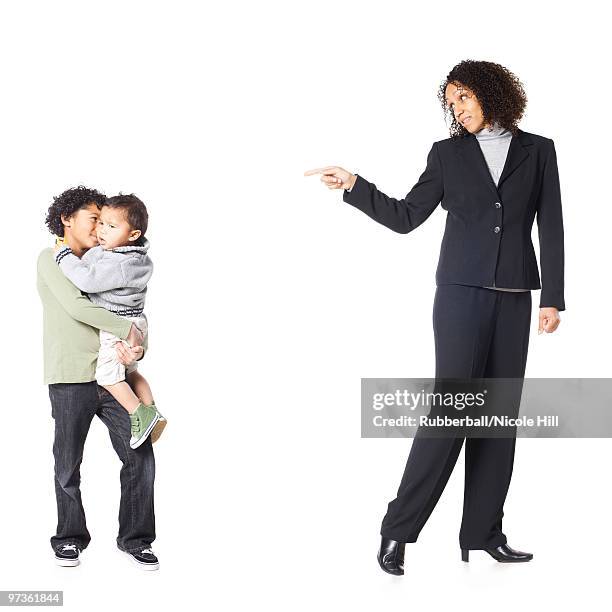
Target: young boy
x=115, y=275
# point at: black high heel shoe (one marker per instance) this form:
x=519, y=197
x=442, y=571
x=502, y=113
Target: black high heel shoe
x=503, y=554
x=391, y=556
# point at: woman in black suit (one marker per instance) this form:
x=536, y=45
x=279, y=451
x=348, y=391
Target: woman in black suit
x=493, y=179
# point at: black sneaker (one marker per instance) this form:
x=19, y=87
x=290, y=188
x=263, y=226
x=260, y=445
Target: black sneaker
x=67, y=555
x=144, y=559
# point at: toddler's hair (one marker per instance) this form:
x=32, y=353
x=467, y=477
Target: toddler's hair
x=136, y=211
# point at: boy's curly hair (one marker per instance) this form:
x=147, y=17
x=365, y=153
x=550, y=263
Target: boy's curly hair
x=499, y=92
x=68, y=202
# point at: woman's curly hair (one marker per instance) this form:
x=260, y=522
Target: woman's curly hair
x=499, y=92
x=67, y=203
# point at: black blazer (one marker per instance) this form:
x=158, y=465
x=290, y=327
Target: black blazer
x=487, y=239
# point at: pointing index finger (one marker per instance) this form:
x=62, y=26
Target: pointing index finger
x=325, y=170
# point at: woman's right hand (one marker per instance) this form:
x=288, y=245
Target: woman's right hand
x=334, y=177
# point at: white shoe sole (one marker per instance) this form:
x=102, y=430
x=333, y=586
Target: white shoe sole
x=147, y=567
x=67, y=562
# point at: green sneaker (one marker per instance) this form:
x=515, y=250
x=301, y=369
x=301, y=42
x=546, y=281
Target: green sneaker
x=159, y=426
x=143, y=420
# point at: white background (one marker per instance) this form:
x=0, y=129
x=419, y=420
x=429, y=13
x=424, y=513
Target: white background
x=271, y=298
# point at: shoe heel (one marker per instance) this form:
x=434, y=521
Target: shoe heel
x=465, y=555
x=158, y=430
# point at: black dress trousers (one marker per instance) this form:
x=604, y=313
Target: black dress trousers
x=479, y=333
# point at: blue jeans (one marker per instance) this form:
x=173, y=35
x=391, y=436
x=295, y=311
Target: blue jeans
x=73, y=406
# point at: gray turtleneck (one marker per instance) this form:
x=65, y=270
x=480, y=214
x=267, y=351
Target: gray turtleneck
x=494, y=142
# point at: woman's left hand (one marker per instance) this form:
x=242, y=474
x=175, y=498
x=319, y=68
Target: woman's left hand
x=549, y=320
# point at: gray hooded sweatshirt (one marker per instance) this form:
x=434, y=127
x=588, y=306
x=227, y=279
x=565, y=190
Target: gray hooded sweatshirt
x=114, y=279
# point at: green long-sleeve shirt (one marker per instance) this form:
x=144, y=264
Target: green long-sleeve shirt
x=71, y=325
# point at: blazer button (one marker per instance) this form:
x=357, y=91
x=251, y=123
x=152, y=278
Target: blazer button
x=497, y=205
x=496, y=229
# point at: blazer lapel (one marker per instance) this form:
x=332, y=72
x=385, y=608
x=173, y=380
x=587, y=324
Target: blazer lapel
x=518, y=152
x=471, y=154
